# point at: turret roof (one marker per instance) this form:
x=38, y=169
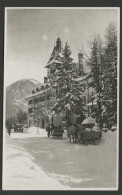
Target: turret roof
x=56, y=51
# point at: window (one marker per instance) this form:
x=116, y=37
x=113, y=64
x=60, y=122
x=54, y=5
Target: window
x=30, y=101
x=36, y=100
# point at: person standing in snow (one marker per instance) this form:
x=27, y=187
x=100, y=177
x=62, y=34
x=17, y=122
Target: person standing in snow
x=48, y=129
x=9, y=129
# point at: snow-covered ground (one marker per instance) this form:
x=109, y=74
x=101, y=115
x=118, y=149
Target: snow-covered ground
x=30, y=132
x=32, y=161
x=21, y=173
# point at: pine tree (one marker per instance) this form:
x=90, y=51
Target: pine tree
x=103, y=64
x=96, y=63
x=110, y=69
x=69, y=93
x=21, y=117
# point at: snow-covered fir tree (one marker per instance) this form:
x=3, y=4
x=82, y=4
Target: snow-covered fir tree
x=69, y=92
x=96, y=63
x=95, y=67
x=103, y=62
x=110, y=73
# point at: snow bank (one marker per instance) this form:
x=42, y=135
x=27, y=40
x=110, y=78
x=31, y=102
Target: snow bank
x=69, y=178
x=21, y=173
x=34, y=130
x=30, y=132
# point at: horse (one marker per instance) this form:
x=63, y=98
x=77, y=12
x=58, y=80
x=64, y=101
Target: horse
x=81, y=130
x=72, y=133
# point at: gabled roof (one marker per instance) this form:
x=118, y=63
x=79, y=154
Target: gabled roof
x=54, y=54
x=55, y=58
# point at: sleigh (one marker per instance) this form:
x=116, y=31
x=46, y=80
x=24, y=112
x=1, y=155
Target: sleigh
x=92, y=132
x=57, y=132
x=90, y=136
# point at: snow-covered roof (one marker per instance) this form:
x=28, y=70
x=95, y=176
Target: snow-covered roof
x=46, y=87
x=35, y=94
x=53, y=54
x=54, y=57
x=53, y=61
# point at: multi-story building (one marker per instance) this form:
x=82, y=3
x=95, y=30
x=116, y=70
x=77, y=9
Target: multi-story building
x=42, y=99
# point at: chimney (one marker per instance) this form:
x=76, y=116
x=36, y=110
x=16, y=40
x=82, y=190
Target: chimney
x=80, y=62
x=45, y=79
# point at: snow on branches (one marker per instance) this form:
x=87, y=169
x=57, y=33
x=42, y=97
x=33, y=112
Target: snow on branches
x=69, y=92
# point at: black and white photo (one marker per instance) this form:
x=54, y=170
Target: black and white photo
x=61, y=98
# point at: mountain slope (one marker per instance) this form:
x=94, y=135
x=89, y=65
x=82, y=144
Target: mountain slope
x=16, y=94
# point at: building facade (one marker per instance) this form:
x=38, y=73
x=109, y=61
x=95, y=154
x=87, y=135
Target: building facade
x=42, y=99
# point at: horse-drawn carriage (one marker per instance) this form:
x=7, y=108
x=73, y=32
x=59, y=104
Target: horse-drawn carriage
x=55, y=131
x=86, y=132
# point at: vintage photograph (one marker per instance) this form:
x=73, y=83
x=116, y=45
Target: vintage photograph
x=61, y=98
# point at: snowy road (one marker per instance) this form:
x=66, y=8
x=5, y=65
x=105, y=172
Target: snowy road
x=22, y=173
x=39, y=163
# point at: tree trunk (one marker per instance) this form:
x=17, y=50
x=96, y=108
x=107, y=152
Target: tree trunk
x=100, y=118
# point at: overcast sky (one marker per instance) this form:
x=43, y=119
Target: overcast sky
x=31, y=33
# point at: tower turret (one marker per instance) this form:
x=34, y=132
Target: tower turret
x=58, y=45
